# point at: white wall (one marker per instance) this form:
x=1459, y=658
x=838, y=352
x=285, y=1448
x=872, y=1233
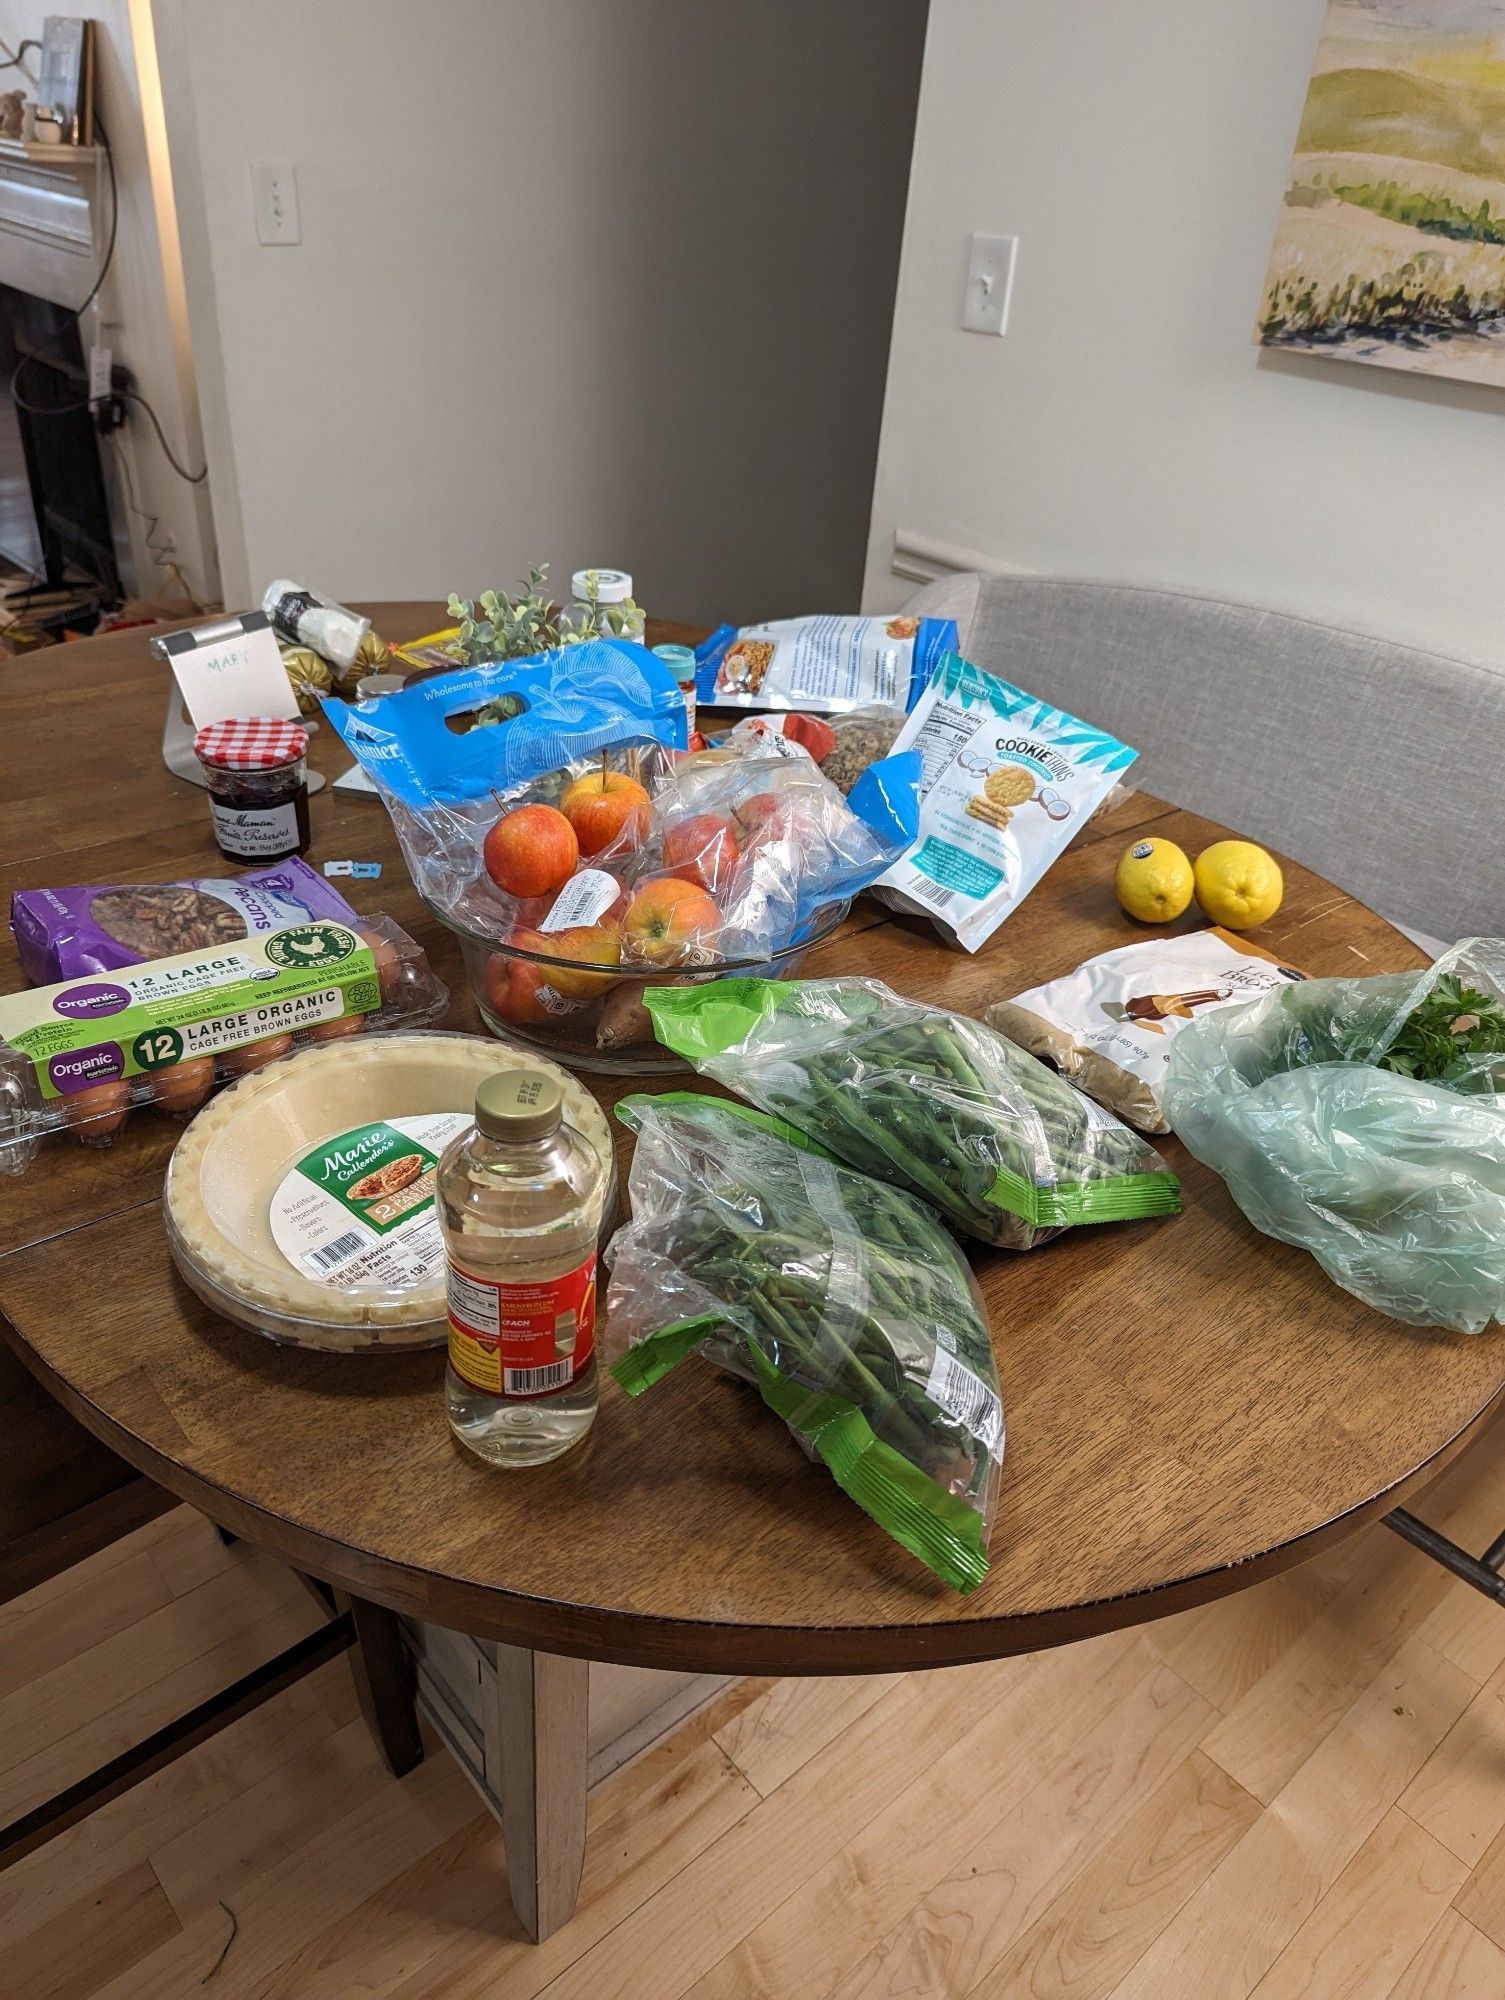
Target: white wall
x=579, y=281
x=1124, y=426
x=139, y=314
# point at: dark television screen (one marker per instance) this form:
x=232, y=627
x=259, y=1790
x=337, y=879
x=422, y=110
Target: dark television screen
x=54, y=513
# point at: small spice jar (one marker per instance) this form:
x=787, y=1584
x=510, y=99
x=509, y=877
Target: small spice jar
x=680, y=661
x=257, y=773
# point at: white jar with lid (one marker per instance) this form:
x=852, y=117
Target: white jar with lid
x=598, y=591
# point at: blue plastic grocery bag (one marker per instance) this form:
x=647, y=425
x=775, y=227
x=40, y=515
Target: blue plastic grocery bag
x=567, y=705
x=537, y=720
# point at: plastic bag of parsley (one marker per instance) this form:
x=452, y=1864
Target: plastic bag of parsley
x=842, y=1300
x=1364, y=1120
x=1007, y=1150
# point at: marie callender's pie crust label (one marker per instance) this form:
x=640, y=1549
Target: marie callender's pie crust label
x=358, y=1209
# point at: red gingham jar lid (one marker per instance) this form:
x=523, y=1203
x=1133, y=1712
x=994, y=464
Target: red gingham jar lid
x=251, y=743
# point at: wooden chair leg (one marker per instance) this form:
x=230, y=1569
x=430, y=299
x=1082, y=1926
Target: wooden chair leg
x=537, y=1734
x=384, y=1685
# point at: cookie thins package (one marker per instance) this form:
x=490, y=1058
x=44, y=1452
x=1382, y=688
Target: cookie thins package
x=1006, y=782
x=1109, y=1025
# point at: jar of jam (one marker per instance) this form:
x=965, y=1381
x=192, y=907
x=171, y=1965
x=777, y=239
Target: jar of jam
x=256, y=770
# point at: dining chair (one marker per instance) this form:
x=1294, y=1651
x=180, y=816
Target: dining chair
x=1376, y=764
x=65, y=1496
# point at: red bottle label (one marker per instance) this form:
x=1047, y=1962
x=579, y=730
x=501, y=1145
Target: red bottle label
x=528, y=1339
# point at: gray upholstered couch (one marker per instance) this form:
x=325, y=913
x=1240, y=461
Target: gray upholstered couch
x=1380, y=766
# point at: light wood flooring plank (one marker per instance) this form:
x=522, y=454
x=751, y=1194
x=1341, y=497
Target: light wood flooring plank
x=1091, y=1777
x=791, y=1720
x=1100, y=1926
x=1456, y=1962
x=1231, y=1931
x=116, y=1924
x=1458, y=1795
x=1370, y=1923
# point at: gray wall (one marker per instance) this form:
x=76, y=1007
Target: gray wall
x=582, y=280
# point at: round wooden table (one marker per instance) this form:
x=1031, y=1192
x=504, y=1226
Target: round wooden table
x=1190, y=1405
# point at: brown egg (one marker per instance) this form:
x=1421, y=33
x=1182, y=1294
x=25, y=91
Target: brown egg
x=335, y=1031
x=98, y=1113
x=241, y=1061
x=184, y=1087
x=388, y=964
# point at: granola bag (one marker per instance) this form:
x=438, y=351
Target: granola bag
x=1109, y=1025
x=1364, y=1120
x=99, y=927
x=1006, y=783
x=843, y=1301
x=825, y=664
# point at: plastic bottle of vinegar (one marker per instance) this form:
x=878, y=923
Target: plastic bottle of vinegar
x=520, y=1203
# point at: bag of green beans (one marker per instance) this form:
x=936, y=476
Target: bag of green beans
x=1007, y=1150
x=841, y=1299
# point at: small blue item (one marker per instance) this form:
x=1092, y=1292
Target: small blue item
x=363, y=871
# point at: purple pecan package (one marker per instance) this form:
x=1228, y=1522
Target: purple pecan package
x=65, y=933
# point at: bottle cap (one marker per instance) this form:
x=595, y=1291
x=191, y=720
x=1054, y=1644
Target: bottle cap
x=518, y=1104
x=613, y=586
x=680, y=660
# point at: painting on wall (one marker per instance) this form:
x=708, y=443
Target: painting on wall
x=1391, y=244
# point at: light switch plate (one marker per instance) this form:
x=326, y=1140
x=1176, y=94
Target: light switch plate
x=274, y=202
x=990, y=280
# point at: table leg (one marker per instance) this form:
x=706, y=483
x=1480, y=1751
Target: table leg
x=384, y=1685
x=536, y=1737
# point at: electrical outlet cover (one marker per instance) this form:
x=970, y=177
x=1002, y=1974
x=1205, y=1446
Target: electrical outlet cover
x=990, y=280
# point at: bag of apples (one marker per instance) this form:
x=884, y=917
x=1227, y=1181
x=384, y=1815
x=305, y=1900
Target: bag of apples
x=446, y=754
x=724, y=860
x=580, y=852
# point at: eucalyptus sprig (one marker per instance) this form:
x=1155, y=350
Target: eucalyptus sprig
x=527, y=624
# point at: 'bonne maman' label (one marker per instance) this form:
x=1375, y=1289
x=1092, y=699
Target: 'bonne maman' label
x=525, y=1339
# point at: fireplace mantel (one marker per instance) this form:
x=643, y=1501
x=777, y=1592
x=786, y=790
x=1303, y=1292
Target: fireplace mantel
x=50, y=217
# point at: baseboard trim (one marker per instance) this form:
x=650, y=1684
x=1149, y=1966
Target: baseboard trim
x=922, y=559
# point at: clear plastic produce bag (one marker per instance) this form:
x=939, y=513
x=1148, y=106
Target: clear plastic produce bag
x=946, y=1107
x=1364, y=1120
x=842, y=1300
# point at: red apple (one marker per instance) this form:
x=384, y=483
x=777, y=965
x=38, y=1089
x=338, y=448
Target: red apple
x=531, y=851
x=665, y=916
x=763, y=816
x=521, y=992
x=702, y=849
x=603, y=806
x=590, y=945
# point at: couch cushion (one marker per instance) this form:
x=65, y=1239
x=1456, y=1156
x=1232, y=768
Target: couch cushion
x=1376, y=764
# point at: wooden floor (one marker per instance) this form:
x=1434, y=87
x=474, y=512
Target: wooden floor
x=1297, y=1794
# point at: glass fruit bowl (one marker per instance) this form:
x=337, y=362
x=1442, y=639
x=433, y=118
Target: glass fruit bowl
x=594, y=1018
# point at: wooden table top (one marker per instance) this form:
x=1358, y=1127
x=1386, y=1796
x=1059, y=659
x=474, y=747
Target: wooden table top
x=1190, y=1405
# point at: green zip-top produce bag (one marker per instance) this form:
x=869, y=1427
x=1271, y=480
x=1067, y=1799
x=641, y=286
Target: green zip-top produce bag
x=1364, y=1120
x=841, y=1299
x=950, y=1109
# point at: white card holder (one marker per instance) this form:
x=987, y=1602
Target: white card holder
x=232, y=667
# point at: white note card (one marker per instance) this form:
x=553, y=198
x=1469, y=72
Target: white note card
x=231, y=669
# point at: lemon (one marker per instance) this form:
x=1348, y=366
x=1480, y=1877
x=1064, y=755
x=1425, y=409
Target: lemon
x=1154, y=881
x=1238, y=884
